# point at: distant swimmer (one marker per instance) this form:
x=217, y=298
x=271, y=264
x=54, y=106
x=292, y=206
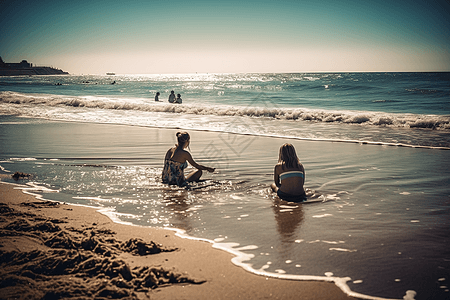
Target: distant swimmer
x=178, y=100
x=157, y=96
x=289, y=176
x=172, y=97
x=176, y=161
x=114, y=82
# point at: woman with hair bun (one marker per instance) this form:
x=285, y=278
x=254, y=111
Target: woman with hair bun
x=289, y=176
x=176, y=161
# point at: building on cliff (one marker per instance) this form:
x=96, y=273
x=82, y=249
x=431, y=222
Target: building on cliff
x=26, y=68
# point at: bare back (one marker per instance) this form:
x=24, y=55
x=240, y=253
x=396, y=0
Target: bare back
x=291, y=184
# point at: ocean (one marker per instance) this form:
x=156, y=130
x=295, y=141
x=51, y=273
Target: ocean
x=374, y=146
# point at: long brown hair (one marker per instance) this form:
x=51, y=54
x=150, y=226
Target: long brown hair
x=288, y=158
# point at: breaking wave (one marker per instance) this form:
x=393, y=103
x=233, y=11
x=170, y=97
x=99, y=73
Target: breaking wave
x=406, y=120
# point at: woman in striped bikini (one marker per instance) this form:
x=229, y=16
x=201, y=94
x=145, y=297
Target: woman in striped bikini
x=289, y=176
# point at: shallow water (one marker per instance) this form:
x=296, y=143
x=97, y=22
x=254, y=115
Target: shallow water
x=385, y=222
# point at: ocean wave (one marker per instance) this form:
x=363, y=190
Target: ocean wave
x=260, y=109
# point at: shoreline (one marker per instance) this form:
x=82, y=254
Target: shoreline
x=182, y=268
x=262, y=135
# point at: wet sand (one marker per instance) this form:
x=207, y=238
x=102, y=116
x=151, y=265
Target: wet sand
x=53, y=250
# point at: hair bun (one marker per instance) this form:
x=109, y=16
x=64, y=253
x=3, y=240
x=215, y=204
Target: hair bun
x=182, y=136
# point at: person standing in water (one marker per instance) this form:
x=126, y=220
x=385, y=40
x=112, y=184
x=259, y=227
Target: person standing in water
x=172, y=97
x=157, y=96
x=289, y=176
x=176, y=160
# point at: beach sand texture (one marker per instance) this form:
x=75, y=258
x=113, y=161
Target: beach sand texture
x=51, y=250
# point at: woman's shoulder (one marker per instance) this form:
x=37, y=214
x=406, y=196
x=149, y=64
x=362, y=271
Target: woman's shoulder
x=171, y=150
x=185, y=153
x=181, y=155
x=169, y=153
x=278, y=168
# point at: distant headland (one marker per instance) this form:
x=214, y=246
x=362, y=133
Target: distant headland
x=26, y=68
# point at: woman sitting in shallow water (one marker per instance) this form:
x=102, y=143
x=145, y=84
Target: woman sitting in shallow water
x=176, y=161
x=289, y=176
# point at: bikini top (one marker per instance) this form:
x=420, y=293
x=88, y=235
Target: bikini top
x=292, y=174
x=181, y=165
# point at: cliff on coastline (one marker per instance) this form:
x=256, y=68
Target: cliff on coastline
x=26, y=68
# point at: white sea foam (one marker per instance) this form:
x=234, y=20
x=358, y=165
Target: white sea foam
x=315, y=124
x=23, y=158
x=342, y=250
x=322, y=216
x=410, y=295
x=314, y=115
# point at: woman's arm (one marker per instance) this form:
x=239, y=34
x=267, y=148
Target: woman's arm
x=304, y=174
x=276, y=176
x=196, y=165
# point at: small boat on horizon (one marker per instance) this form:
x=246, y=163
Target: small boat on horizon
x=110, y=73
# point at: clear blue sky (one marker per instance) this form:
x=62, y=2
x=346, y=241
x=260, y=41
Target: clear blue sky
x=153, y=37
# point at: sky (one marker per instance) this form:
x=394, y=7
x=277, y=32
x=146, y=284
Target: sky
x=236, y=36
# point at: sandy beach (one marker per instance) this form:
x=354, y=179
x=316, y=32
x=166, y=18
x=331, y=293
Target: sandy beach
x=51, y=250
